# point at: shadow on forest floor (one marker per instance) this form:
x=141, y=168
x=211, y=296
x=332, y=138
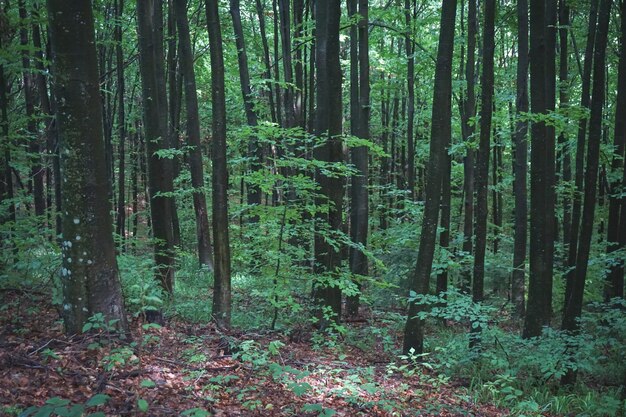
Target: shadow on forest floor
x=184, y=369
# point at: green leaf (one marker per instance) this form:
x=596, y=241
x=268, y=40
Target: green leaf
x=142, y=405
x=147, y=383
x=97, y=400
x=87, y=327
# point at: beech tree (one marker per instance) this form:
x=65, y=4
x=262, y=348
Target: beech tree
x=440, y=139
x=89, y=275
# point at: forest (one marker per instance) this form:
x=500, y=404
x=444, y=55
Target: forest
x=312, y=208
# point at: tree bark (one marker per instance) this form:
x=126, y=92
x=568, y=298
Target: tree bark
x=221, y=287
x=440, y=139
x=359, y=112
x=203, y=236
x=614, y=285
x=521, y=164
x=160, y=173
x=328, y=125
x=482, y=163
x=89, y=273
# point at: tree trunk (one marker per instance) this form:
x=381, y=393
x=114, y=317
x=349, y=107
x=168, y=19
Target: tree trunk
x=410, y=49
x=521, y=163
x=614, y=285
x=221, y=288
x=121, y=124
x=574, y=303
x=203, y=236
x=482, y=163
x=580, y=149
x=440, y=139
x=254, y=150
x=328, y=125
x=467, y=127
x=90, y=276
x=564, y=85
x=151, y=66
x=359, y=113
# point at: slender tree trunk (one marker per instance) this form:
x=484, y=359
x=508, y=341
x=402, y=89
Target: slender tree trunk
x=482, y=163
x=151, y=66
x=266, y=59
x=469, y=111
x=564, y=86
x=614, y=285
x=360, y=127
x=121, y=124
x=37, y=171
x=90, y=276
x=521, y=163
x=410, y=49
x=573, y=304
x=203, y=236
x=254, y=150
x=221, y=287
x=6, y=178
x=580, y=149
x=440, y=139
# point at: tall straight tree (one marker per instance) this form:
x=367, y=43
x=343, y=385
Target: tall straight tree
x=328, y=125
x=121, y=122
x=89, y=275
x=482, y=163
x=359, y=112
x=255, y=151
x=441, y=131
x=520, y=162
x=572, y=245
x=467, y=127
x=221, y=286
x=564, y=98
x=205, y=251
x=614, y=286
x=410, y=78
x=540, y=284
x=154, y=101
x=574, y=300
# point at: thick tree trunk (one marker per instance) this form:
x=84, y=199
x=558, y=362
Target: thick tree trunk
x=203, y=236
x=151, y=66
x=89, y=274
x=328, y=125
x=440, y=139
x=539, y=310
x=221, y=287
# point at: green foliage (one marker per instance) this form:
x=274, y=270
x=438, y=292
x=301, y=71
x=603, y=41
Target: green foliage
x=64, y=408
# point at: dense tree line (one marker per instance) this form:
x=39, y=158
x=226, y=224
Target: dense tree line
x=494, y=130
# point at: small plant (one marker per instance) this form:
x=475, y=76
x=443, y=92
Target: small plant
x=64, y=408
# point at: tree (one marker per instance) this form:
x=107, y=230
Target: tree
x=328, y=125
x=359, y=112
x=440, y=139
x=160, y=172
x=539, y=307
x=574, y=300
x=221, y=286
x=614, y=285
x=482, y=163
x=521, y=162
x=90, y=276
x=205, y=251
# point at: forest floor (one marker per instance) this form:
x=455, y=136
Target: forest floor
x=189, y=369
